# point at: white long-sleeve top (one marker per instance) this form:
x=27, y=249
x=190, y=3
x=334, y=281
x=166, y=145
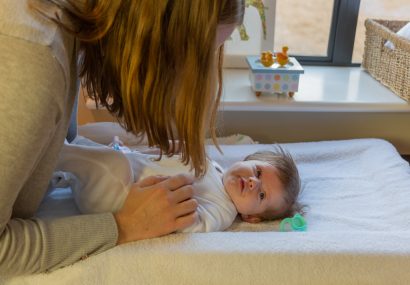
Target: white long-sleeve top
x=102, y=178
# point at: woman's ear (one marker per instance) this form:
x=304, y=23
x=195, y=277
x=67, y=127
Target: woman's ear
x=251, y=219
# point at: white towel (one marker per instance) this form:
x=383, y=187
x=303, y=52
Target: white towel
x=358, y=193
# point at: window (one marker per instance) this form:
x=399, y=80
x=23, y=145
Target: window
x=319, y=32
x=303, y=26
x=316, y=31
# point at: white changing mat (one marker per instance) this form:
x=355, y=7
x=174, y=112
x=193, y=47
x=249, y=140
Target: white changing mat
x=358, y=197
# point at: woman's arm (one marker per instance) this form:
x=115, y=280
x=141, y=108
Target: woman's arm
x=104, y=178
x=31, y=80
x=31, y=116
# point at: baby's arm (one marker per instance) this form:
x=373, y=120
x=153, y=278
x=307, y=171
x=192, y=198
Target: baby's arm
x=215, y=211
x=211, y=218
x=201, y=224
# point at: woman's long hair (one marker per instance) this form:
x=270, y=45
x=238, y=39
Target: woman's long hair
x=154, y=64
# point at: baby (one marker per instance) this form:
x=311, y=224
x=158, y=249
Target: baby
x=264, y=186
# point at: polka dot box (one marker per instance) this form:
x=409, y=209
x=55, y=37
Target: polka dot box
x=274, y=79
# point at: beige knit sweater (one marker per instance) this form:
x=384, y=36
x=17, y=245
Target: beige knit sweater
x=38, y=85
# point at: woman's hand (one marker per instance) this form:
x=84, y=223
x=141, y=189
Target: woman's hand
x=156, y=206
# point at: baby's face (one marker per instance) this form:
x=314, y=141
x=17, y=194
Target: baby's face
x=254, y=187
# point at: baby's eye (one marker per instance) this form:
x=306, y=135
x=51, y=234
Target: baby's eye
x=262, y=195
x=258, y=173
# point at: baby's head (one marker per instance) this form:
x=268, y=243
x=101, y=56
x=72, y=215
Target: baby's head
x=265, y=186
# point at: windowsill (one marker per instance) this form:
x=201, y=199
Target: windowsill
x=316, y=112
x=321, y=89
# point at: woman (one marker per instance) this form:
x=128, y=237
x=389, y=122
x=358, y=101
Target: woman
x=151, y=63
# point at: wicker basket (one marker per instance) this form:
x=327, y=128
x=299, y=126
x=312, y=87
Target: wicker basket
x=390, y=66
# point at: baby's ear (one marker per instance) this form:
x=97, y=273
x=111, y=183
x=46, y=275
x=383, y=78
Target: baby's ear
x=251, y=219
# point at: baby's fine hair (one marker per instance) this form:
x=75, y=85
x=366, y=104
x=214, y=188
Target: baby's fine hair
x=288, y=175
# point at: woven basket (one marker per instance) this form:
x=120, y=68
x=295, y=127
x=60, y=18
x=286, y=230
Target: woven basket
x=390, y=66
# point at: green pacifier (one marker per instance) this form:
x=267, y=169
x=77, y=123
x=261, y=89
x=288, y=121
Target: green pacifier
x=296, y=223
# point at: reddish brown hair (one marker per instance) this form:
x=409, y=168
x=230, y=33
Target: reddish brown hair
x=153, y=64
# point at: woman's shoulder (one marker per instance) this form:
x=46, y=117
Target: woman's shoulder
x=18, y=20
x=38, y=37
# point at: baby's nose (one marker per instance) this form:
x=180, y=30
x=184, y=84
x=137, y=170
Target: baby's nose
x=253, y=183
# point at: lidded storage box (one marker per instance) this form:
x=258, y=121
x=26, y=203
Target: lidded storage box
x=275, y=78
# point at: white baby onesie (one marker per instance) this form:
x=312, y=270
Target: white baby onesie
x=104, y=177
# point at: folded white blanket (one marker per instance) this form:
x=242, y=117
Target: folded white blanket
x=358, y=197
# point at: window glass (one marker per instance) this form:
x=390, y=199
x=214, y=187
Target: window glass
x=303, y=26
x=377, y=9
